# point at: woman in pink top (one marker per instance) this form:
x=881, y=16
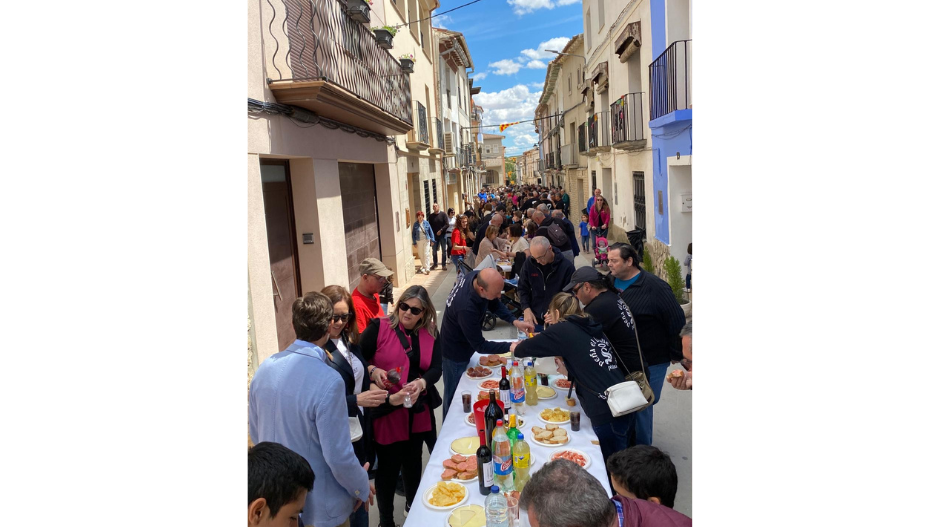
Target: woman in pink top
x=599, y=219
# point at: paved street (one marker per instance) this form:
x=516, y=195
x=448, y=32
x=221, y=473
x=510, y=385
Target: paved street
x=672, y=424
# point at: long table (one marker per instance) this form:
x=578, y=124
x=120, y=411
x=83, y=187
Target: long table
x=454, y=427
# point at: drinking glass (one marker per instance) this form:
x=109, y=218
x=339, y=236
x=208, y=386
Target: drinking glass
x=513, y=511
x=465, y=396
x=575, y=420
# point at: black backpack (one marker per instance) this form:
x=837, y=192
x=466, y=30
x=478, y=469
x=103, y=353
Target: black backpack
x=556, y=235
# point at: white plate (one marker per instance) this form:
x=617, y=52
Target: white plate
x=466, y=421
x=587, y=458
x=555, y=422
x=548, y=445
x=427, y=496
x=452, y=451
x=447, y=520
x=555, y=385
x=554, y=394
x=480, y=384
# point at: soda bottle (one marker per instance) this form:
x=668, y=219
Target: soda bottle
x=517, y=393
x=502, y=459
x=531, y=385
x=520, y=462
x=522, y=334
x=484, y=465
x=491, y=415
x=504, y=391
x=512, y=433
x=496, y=508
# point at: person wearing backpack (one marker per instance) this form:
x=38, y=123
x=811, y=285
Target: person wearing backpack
x=554, y=230
x=543, y=275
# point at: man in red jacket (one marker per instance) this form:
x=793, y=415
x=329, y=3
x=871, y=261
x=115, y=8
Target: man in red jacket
x=548, y=501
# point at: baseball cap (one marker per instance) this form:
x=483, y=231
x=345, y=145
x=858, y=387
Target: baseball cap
x=374, y=266
x=584, y=274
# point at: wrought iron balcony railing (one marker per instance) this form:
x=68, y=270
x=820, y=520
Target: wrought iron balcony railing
x=311, y=42
x=670, y=81
x=569, y=156
x=582, y=138
x=599, y=132
x=440, y=133
x=418, y=135
x=627, y=119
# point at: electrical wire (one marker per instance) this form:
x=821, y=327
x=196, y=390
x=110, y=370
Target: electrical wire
x=437, y=14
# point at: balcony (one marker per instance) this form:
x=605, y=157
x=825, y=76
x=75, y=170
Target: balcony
x=438, y=147
x=418, y=138
x=318, y=58
x=670, y=81
x=569, y=156
x=628, y=122
x=599, y=133
x=582, y=138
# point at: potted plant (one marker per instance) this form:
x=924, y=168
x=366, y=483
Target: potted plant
x=407, y=63
x=358, y=10
x=677, y=284
x=384, y=35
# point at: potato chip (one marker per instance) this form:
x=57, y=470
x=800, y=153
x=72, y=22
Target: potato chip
x=554, y=414
x=447, y=493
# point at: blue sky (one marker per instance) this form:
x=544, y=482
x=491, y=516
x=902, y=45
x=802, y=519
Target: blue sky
x=507, y=39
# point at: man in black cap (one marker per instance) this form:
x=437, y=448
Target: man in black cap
x=602, y=302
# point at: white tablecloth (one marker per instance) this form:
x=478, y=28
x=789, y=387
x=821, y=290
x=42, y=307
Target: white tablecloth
x=454, y=427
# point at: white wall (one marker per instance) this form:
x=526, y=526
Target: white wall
x=680, y=223
x=678, y=26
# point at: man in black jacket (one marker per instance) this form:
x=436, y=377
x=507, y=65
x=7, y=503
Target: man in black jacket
x=543, y=276
x=659, y=318
x=473, y=295
x=568, y=227
x=438, y=221
x=495, y=219
x=544, y=221
x=603, y=303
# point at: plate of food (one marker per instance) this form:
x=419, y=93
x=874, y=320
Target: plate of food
x=466, y=446
x=492, y=360
x=445, y=495
x=460, y=468
x=551, y=436
x=545, y=393
x=572, y=455
x=490, y=384
x=555, y=416
x=562, y=384
x=467, y=516
x=479, y=372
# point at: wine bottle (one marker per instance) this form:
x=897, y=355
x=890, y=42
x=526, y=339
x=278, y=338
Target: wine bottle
x=484, y=466
x=491, y=414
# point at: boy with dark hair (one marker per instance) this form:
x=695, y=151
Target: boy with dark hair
x=278, y=482
x=644, y=472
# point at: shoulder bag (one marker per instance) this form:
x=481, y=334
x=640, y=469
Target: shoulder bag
x=632, y=395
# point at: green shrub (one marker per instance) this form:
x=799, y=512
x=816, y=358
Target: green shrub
x=674, y=279
x=648, y=262
x=390, y=29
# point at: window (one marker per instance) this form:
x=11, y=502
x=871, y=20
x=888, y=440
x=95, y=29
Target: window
x=639, y=200
x=569, y=84
x=459, y=100
x=587, y=31
x=448, y=99
x=600, y=15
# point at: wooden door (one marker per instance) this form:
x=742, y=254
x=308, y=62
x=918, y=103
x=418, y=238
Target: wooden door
x=282, y=245
x=360, y=216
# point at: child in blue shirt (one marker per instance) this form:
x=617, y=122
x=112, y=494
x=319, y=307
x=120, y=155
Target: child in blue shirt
x=585, y=235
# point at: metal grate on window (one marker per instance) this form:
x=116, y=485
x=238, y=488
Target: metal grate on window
x=639, y=200
x=427, y=199
x=434, y=190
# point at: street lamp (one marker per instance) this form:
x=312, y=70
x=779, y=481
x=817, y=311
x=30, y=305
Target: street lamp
x=582, y=57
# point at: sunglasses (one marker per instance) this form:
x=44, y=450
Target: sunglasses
x=414, y=310
x=344, y=318
x=577, y=288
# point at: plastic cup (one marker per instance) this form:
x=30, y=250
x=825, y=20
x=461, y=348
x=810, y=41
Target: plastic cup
x=465, y=396
x=543, y=377
x=575, y=420
x=513, y=510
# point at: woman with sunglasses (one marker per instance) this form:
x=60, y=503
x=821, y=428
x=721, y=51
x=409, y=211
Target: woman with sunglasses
x=406, y=339
x=346, y=358
x=599, y=219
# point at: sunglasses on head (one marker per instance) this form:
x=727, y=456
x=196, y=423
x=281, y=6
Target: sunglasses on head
x=414, y=310
x=344, y=317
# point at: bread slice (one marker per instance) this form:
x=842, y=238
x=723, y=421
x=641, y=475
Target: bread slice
x=537, y=430
x=543, y=435
x=551, y=427
x=560, y=433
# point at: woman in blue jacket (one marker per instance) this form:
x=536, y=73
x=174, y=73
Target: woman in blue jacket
x=422, y=237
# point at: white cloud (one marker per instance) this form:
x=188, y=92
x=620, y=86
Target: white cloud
x=521, y=7
x=480, y=76
x=439, y=21
x=557, y=43
x=535, y=64
x=513, y=104
x=505, y=67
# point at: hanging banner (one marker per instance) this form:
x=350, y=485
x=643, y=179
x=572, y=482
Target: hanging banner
x=507, y=125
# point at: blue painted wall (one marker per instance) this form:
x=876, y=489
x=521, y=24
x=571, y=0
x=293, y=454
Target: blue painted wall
x=671, y=133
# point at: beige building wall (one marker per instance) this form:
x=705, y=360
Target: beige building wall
x=621, y=164
x=314, y=154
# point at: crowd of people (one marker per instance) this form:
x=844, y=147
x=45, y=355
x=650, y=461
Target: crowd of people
x=384, y=367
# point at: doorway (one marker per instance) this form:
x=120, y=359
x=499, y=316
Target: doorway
x=282, y=245
x=360, y=216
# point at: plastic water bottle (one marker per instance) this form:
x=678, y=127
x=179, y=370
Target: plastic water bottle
x=502, y=459
x=497, y=508
x=522, y=333
x=531, y=385
x=521, y=458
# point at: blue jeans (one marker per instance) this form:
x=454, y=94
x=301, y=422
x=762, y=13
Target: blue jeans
x=688, y=281
x=644, y=418
x=615, y=436
x=456, y=259
x=452, y=372
x=439, y=245
x=359, y=518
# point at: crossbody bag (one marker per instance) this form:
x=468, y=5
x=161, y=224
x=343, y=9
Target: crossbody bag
x=632, y=395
